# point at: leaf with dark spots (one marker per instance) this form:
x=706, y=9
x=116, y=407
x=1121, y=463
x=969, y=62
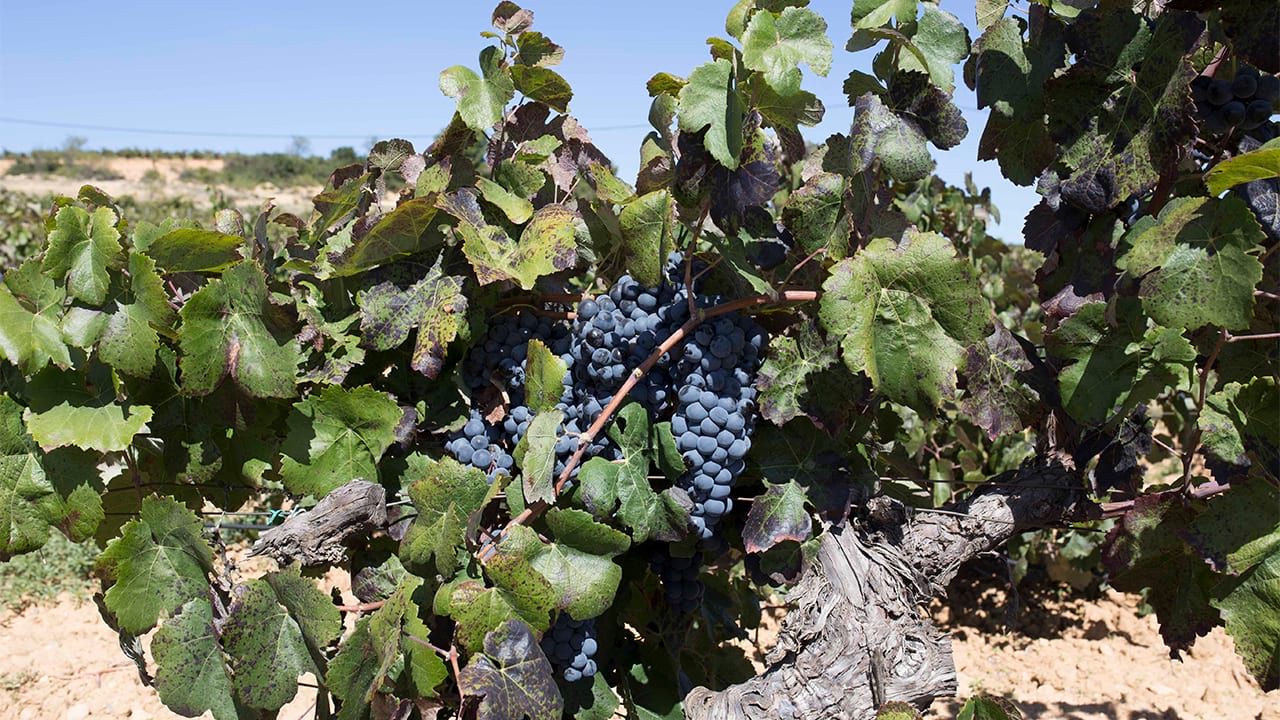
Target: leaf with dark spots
x=751, y=184
x=584, y=580
x=1147, y=550
x=512, y=678
x=404, y=231
x=543, y=85
x=537, y=50
x=546, y=244
x=897, y=142
x=1240, y=528
x=817, y=216
x=444, y=494
x=230, y=328
x=1118, y=463
x=1263, y=198
x=193, y=250
x=1239, y=420
x=519, y=593
x=827, y=470
x=481, y=96
x=912, y=94
x=512, y=19
x=191, y=675
x=776, y=515
x=997, y=396
x=388, y=156
x=436, y=305
x=783, y=380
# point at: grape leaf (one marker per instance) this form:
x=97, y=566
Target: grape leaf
x=827, y=469
x=897, y=142
x=129, y=340
x=1240, y=528
x=1250, y=610
x=536, y=455
x=404, y=231
x=776, y=515
x=39, y=491
x=943, y=41
x=1147, y=550
x=998, y=396
x=544, y=377
x=512, y=677
x=81, y=249
x=229, y=327
x=66, y=411
x=817, y=217
x=625, y=485
x=335, y=436
x=481, y=97
x=783, y=379
x=577, y=562
x=444, y=494
x=546, y=244
x=512, y=19
x=1193, y=264
x=29, y=334
x=269, y=643
x=737, y=192
x=647, y=225
x=517, y=209
x=911, y=95
x=537, y=50
x=353, y=676
x=904, y=314
x=195, y=250
x=983, y=707
x=709, y=100
x=1009, y=77
x=191, y=676
x=543, y=85
x=1239, y=418
x=435, y=304
x=897, y=711
x=1257, y=164
x=785, y=111
x=159, y=562
x=1121, y=151
x=777, y=45
x=876, y=13
x=989, y=12
x=520, y=592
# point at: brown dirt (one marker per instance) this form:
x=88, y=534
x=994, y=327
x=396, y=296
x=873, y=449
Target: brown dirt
x=294, y=200
x=1085, y=660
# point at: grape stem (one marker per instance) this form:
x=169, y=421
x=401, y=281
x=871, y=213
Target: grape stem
x=535, y=509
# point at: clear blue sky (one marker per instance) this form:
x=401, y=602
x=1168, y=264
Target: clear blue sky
x=341, y=73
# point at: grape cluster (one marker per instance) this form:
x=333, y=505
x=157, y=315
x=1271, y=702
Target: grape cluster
x=713, y=421
x=571, y=645
x=1245, y=102
x=681, y=588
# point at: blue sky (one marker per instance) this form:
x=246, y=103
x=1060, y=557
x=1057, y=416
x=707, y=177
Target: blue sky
x=325, y=71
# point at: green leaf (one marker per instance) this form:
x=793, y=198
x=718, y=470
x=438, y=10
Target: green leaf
x=546, y=244
x=537, y=50
x=516, y=208
x=625, y=485
x=129, y=339
x=1258, y=164
x=481, y=97
x=191, y=676
x=444, y=494
x=1010, y=78
x=64, y=411
x=876, y=13
x=943, y=40
x=826, y=467
x=897, y=711
x=435, y=304
x=783, y=379
x=337, y=435
x=904, y=314
x=1193, y=263
x=984, y=707
x=30, y=309
x=81, y=248
x=709, y=100
x=647, y=235
x=229, y=327
x=404, y=231
x=353, y=675
x=897, y=142
x=536, y=455
x=269, y=645
x=1240, y=528
x=159, y=562
x=544, y=377
x=512, y=677
x=608, y=187
x=40, y=491
x=1251, y=611
x=1239, y=418
x=543, y=85
x=777, y=46
x=195, y=250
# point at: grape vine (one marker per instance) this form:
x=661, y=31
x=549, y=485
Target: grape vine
x=567, y=432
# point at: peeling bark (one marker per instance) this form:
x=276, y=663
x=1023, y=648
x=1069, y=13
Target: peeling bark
x=319, y=535
x=859, y=636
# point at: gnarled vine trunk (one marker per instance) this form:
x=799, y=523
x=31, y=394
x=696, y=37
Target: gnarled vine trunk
x=858, y=636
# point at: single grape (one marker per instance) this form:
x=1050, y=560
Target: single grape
x=1256, y=113
x=1220, y=92
x=1244, y=86
x=1268, y=88
x=1233, y=112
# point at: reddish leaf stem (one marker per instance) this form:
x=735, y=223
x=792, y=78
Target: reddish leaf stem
x=535, y=509
x=1209, y=489
x=1260, y=336
x=366, y=607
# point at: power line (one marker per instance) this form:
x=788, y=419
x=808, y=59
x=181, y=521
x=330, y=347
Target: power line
x=267, y=136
